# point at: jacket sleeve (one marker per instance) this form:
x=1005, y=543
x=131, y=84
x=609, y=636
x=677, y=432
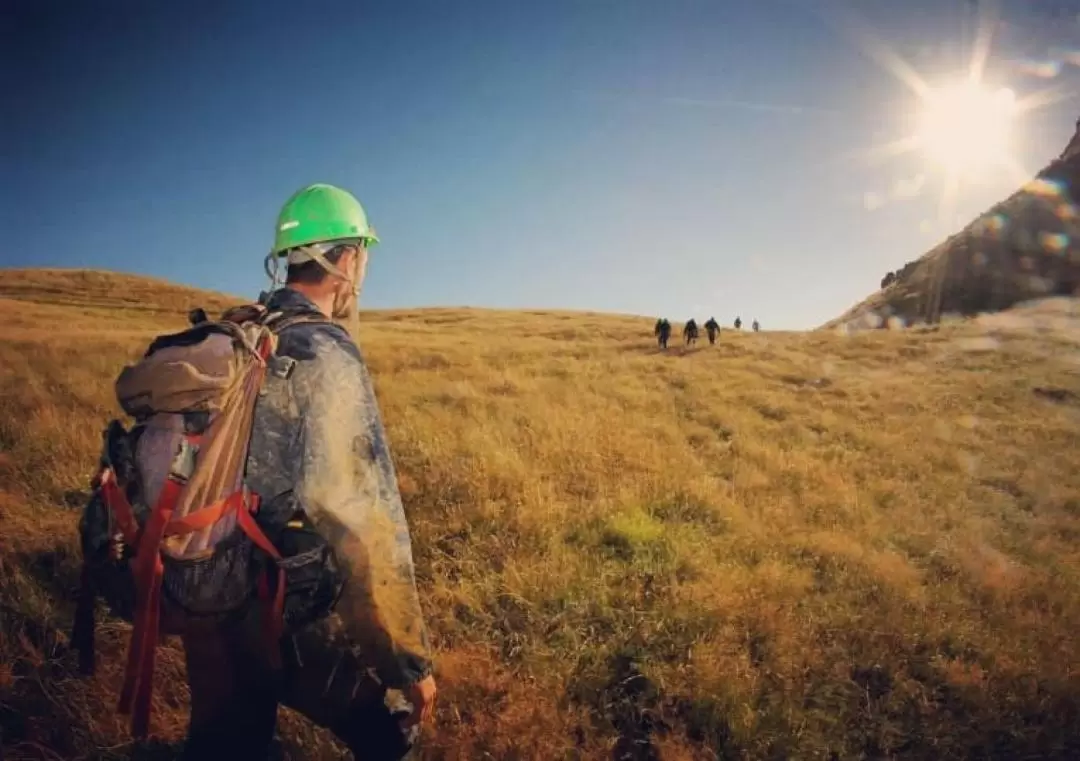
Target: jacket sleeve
x=348, y=487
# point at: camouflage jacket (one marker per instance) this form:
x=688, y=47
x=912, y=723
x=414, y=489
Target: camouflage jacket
x=318, y=443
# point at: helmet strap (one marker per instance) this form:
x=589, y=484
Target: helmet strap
x=317, y=253
x=346, y=310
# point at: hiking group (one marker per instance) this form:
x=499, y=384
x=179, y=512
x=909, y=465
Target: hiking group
x=252, y=509
x=662, y=330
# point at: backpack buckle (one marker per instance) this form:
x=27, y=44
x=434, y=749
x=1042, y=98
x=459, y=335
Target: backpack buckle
x=183, y=465
x=280, y=367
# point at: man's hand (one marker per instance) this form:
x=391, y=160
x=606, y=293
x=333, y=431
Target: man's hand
x=422, y=696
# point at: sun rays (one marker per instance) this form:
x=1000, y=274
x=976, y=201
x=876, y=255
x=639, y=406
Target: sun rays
x=965, y=124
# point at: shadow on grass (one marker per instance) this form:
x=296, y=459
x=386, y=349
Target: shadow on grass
x=56, y=571
x=624, y=702
x=76, y=499
x=46, y=707
x=911, y=708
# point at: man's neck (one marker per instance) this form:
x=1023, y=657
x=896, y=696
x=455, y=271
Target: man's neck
x=322, y=298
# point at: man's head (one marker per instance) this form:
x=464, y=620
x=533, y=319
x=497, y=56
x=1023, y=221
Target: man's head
x=323, y=235
x=329, y=274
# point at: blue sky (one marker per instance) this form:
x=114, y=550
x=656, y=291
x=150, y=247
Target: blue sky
x=675, y=157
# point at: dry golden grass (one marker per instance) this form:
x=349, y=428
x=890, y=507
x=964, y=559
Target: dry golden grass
x=800, y=545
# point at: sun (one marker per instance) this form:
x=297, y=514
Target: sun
x=966, y=126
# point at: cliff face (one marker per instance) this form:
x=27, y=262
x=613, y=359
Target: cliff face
x=1026, y=247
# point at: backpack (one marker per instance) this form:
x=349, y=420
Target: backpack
x=169, y=534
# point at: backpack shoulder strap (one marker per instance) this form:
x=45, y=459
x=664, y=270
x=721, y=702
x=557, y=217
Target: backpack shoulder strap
x=279, y=321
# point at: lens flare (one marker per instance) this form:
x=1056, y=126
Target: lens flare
x=966, y=126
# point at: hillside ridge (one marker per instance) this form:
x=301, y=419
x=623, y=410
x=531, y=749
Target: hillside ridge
x=103, y=288
x=1022, y=248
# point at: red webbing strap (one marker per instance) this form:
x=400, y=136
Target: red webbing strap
x=206, y=516
x=245, y=518
x=274, y=614
x=147, y=569
x=118, y=504
x=265, y=348
x=140, y=719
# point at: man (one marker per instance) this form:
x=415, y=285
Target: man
x=712, y=328
x=665, y=332
x=690, y=331
x=319, y=457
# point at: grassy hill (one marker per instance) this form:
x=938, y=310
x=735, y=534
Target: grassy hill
x=789, y=545
x=1026, y=247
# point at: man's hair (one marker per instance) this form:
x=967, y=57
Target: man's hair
x=311, y=272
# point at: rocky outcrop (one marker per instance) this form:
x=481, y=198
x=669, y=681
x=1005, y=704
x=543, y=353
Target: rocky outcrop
x=1026, y=247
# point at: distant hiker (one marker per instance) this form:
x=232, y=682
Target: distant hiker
x=756, y=326
x=663, y=332
x=738, y=323
x=264, y=525
x=712, y=328
x=690, y=331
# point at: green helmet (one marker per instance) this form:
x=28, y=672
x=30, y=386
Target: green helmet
x=321, y=213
